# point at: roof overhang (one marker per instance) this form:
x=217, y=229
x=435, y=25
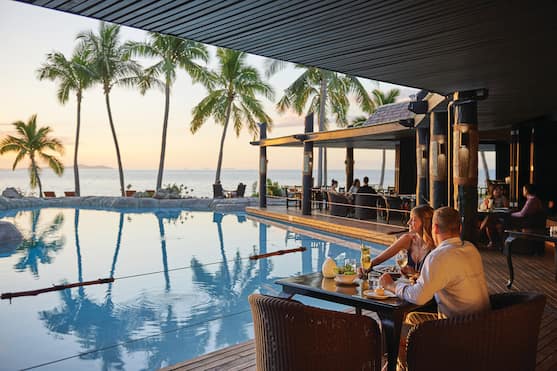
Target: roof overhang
x=507, y=47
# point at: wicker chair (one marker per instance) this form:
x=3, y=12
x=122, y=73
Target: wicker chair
x=504, y=338
x=292, y=336
x=339, y=204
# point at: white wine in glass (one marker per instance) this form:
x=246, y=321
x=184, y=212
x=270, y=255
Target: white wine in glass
x=365, y=257
x=402, y=258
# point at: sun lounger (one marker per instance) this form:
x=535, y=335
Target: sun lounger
x=49, y=194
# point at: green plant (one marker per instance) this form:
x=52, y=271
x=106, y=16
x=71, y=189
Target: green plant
x=273, y=188
x=254, y=192
x=178, y=189
x=128, y=187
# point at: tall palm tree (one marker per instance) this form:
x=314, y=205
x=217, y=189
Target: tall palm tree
x=112, y=66
x=322, y=89
x=36, y=143
x=73, y=75
x=172, y=53
x=380, y=98
x=232, y=95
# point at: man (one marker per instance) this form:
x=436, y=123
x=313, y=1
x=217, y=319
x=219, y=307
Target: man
x=452, y=273
x=532, y=208
x=366, y=188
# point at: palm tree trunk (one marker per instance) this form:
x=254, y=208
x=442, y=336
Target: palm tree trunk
x=164, y=254
x=36, y=174
x=75, y=165
x=116, y=253
x=219, y=163
x=118, y=157
x=322, y=106
x=383, y=159
x=164, y=130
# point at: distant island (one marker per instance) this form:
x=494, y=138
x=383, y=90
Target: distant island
x=81, y=166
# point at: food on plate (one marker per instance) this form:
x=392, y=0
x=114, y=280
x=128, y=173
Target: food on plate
x=379, y=291
x=346, y=270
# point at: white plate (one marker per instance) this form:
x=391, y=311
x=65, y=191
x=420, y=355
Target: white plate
x=339, y=282
x=371, y=294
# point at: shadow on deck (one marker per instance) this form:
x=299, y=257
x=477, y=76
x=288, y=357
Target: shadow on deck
x=532, y=273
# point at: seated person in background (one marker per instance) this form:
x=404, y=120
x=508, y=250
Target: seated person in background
x=366, y=188
x=418, y=241
x=452, y=273
x=355, y=186
x=493, y=223
x=532, y=207
x=334, y=185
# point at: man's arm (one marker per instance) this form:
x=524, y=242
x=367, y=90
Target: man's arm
x=431, y=280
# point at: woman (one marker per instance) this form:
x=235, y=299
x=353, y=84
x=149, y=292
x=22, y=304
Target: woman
x=355, y=186
x=418, y=241
x=493, y=223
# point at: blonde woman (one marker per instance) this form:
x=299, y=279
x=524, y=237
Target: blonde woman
x=418, y=241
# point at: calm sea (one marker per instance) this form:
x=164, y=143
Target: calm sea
x=104, y=182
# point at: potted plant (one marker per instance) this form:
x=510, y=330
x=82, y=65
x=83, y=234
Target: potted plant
x=129, y=191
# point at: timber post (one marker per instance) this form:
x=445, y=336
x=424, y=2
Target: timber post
x=262, y=166
x=307, y=173
x=465, y=166
x=349, y=165
x=438, y=184
x=422, y=164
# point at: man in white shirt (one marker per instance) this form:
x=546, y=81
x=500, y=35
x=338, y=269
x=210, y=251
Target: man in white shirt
x=452, y=273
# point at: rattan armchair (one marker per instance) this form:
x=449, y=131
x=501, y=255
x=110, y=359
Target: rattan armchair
x=292, y=336
x=504, y=338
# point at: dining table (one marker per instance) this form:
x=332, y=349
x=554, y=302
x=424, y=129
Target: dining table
x=391, y=311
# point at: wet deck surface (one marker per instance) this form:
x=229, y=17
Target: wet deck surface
x=532, y=273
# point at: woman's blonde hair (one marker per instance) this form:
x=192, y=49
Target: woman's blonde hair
x=425, y=214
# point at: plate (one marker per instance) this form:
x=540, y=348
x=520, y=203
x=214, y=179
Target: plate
x=344, y=283
x=372, y=295
x=391, y=269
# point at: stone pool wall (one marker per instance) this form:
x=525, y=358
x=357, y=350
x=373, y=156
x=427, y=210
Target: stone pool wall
x=118, y=203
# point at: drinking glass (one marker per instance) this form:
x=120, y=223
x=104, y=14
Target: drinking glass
x=365, y=259
x=402, y=258
x=352, y=263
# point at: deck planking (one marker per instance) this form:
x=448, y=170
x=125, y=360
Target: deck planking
x=532, y=273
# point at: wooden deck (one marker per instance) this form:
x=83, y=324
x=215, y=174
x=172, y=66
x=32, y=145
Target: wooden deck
x=532, y=273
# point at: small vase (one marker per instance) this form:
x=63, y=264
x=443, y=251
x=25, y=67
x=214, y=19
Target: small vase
x=328, y=268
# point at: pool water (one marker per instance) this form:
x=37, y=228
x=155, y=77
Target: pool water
x=182, y=280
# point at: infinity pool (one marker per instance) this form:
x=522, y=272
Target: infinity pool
x=181, y=285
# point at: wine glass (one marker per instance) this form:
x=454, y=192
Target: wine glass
x=365, y=259
x=402, y=258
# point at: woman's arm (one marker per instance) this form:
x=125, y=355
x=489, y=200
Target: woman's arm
x=403, y=242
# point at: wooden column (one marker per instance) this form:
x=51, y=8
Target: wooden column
x=406, y=165
x=465, y=167
x=308, y=168
x=422, y=144
x=349, y=165
x=438, y=177
x=513, y=169
x=262, y=166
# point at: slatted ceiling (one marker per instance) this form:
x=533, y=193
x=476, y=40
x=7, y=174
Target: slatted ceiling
x=437, y=45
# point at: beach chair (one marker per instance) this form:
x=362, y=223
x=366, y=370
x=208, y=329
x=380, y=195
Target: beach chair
x=49, y=194
x=239, y=192
x=218, y=191
x=69, y=193
x=292, y=336
x=504, y=338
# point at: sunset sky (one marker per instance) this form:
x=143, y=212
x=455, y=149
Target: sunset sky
x=28, y=33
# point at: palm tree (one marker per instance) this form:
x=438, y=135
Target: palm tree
x=112, y=66
x=172, y=53
x=73, y=75
x=321, y=89
x=232, y=94
x=379, y=99
x=35, y=143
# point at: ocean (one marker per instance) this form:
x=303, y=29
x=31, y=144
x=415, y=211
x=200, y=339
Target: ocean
x=105, y=182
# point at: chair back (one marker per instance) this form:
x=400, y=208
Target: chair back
x=292, y=336
x=504, y=338
x=369, y=201
x=217, y=191
x=339, y=204
x=240, y=190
